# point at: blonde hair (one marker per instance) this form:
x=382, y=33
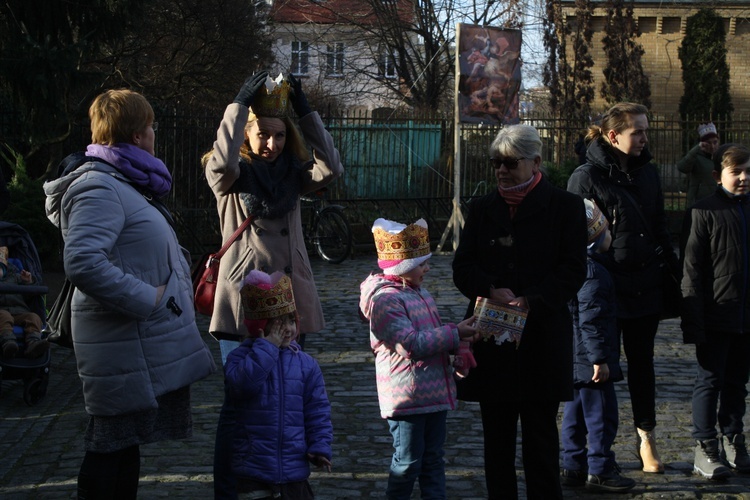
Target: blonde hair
x=618, y=118
x=294, y=141
x=116, y=114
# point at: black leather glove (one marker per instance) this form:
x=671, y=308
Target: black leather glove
x=251, y=87
x=299, y=100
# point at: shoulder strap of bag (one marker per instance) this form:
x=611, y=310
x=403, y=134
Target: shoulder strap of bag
x=234, y=236
x=658, y=248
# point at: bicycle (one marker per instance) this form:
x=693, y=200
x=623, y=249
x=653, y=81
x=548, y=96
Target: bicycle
x=327, y=230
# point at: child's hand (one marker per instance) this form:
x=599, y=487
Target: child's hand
x=601, y=373
x=320, y=461
x=467, y=329
x=26, y=277
x=273, y=332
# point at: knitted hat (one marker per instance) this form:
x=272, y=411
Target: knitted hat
x=401, y=248
x=706, y=131
x=595, y=221
x=272, y=100
x=266, y=297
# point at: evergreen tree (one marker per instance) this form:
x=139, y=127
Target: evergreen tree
x=705, y=71
x=570, y=82
x=624, y=79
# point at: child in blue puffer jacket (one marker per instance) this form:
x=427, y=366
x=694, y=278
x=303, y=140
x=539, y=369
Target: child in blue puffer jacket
x=284, y=416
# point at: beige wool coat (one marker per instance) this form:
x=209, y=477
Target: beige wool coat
x=268, y=244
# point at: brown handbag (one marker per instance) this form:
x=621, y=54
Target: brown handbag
x=204, y=284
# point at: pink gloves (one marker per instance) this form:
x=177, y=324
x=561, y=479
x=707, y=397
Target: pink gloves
x=464, y=360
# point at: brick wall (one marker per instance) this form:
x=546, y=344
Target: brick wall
x=662, y=28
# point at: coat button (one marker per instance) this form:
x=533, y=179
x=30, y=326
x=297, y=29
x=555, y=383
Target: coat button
x=511, y=265
x=288, y=269
x=284, y=232
x=258, y=231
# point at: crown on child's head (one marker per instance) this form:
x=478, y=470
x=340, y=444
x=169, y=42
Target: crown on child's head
x=707, y=131
x=268, y=298
x=410, y=242
x=401, y=248
x=272, y=100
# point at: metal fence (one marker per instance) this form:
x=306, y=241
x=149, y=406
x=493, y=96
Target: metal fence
x=399, y=166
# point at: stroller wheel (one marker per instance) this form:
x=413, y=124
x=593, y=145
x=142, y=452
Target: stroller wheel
x=34, y=390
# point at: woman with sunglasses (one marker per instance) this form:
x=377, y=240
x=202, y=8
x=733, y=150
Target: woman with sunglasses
x=619, y=176
x=524, y=244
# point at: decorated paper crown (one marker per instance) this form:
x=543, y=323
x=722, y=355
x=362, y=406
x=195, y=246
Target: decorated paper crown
x=595, y=220
x=707, y=130
x=401, y=248
x=268, y=300
x=273, y=99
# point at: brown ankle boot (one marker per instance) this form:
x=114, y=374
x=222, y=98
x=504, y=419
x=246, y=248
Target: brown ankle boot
x=8, y=344
x=647, y=453
x=35, y=346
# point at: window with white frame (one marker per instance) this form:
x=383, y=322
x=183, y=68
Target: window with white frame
x=335, y=59
x=300, y=57
x=387, y=64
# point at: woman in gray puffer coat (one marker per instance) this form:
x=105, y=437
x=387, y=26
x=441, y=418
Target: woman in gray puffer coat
x=136, y=342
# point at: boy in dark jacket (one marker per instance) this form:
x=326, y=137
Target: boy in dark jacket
x=593, y=410
x=716, y=315
x=283, y=412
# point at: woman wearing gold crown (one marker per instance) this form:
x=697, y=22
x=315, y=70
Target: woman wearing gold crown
x=259, y=167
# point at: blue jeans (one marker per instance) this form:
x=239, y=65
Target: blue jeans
x=593, y=411
x=418, y=454
x=721, y=383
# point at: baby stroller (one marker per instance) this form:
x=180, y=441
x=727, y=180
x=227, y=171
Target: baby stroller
x=33, y=372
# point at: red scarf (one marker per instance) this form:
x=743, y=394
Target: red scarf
x=513, y=196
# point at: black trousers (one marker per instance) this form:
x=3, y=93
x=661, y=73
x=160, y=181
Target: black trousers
x=539, y=445
x=638, y=336
x=110, y=476
x=720, y=388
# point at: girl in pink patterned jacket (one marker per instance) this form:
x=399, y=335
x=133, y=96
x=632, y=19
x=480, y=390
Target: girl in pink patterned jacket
x=411, y=345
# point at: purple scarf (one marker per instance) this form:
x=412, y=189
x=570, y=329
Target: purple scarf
x=138, y=165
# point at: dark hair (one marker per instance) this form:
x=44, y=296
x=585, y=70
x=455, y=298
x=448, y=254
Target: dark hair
x=730, y=155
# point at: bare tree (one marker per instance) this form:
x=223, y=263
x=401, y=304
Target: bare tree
x=56, y=56
x=406, y=46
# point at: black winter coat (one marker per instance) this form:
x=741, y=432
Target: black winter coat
x=632, y=259
x=596, y=338
x=716, y=267
x=539, y=254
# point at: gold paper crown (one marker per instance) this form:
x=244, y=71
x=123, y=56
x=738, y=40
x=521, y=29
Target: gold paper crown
x=266, y=304
x=273, y=99
x=595, y=220
x=412, y=242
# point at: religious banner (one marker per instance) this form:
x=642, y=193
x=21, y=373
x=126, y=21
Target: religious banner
x=488, y=66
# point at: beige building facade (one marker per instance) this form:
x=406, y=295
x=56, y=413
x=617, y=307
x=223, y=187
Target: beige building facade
x=662, y=26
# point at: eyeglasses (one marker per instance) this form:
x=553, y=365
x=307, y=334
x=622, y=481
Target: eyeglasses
x=155, y=126
x=510, y=163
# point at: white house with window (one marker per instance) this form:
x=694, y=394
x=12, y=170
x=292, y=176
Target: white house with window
x=325, y=43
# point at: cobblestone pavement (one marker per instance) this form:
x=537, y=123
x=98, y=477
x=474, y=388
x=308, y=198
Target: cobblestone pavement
x=41, y=446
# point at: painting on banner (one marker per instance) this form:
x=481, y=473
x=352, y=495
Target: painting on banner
x=488, y=65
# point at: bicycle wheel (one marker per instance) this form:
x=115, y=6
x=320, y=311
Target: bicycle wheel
x=333, y=237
